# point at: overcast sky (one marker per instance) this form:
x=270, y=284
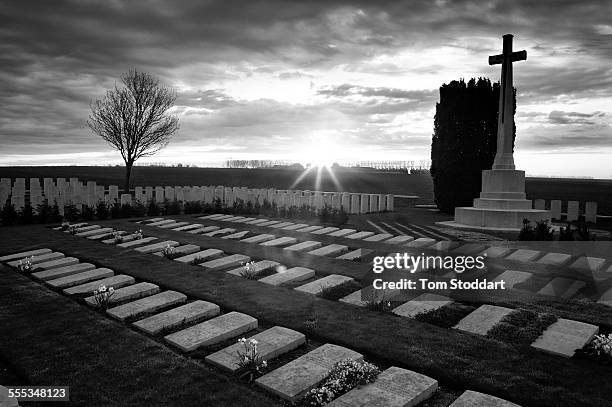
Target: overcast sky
x=292, y=80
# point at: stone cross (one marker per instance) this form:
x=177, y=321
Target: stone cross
x=504, y=159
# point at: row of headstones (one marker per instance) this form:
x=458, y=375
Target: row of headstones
x=350, y=202
x=271, y=343
x=573, y=209
x=58, y=191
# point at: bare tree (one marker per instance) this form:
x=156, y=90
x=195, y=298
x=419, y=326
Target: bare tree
x=133, y=118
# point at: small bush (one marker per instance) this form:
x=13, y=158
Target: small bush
x=249, y=271
x=9, y=214
x=71, y=212
x=171, y=207
x=26, y=215
x=102, y=297
x=87, y=213
x=152, y=208
x=138, y=209
x=115, y=210
x=102, y=210
x=541, y=232
x=193, y=207
x=336, y=292
x=599, y=349
x=46, y=213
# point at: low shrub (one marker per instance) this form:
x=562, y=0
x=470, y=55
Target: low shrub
x=71, y=212
x=87, y=213
x=152, y=208
x=521, y=327
x=249, y=271
x=102, y=210
x=9, y=214
x=542, y=231
x=446, y=316
x=599, y=349
x=336, y=292
x=341, y=378
x=192, y=207
x=26, y=215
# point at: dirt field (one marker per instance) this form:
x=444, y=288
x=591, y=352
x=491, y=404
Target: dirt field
x=348, y=179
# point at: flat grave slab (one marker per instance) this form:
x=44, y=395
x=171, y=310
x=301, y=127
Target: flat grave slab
x=394, y=387
x=129, y=293
x=118, y=281
x=184, y=250
x=497, y=252
x=562, y=287
x=360, y=235
x=258, y=238
x=356, y=254
x=471, y=398
x=513, y=277
x=256, y=221
x=483, y=319
x=177, y=317
x=214, y=216
x=315, y=287
x=378, y=237
x=400, y=239
x=84, y=229
x=94, y=232
x=588, y=264
x=38, y=259
x=80, y=278
x=225, y=263
x=161, y=222
x=237, y=235
x=148, y=221
x=205, y=229
x=234, y=219
x=107, y=235
x=606, y=298
x=309, y=229
x=62, y=271
x=243, y=220
x=137, y=242
x=212, y=331
x=281, y=241
x=126, y=238
x=444, y=245
x=52, y=264
x=224, y=231
x=147, y=305
x=423, y=304
x=188, y=227
x=524, y=255
x=281, y=225
x=420, y=242
x=565, y=336
x=300, y=375
x=201, y=255
x=293, y=274
x=270, y=344
x=269, y=223
x=342, y=232
x=173, y=225
x=258, y=267
x=295, y=226
x=555, y=259
x=324, y=231
x=331, y=250
x=22, y=255
x=367, y=295
x=303, y=246
x=470, y=248
x=155, y=247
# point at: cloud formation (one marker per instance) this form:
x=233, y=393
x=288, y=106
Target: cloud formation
x=262, y=78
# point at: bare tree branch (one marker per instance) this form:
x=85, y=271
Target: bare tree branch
x=134, y=118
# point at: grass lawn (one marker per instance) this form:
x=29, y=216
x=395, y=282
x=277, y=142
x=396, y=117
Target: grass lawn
x=456, y=359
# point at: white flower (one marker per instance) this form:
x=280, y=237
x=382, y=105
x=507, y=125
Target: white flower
x=253, y=342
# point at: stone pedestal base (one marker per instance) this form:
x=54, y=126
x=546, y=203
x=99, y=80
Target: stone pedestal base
x=502, y=204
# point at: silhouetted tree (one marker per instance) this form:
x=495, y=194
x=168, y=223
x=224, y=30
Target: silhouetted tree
x=464, y=140
x=134, y=118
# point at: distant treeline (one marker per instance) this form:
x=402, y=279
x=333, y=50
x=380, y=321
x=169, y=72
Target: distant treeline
x=412, y=167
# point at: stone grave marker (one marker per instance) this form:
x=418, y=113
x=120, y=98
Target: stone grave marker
x=173, y=225
x=606, y=298
x=188, y=227
x=129, y=293
x=342, y=232
x=315, y=287
x=201, y=255
x=183, y=250
x=423, y=304
x=237, y=235
x=573, y=210
x=291, y=275
x=279, y=242
x=513, y=277
x=257, y=268
x=94, y=232
x=22, y=255
x=393, y=387
x=225, y=263
x=588, y=264
x=62, y=271
x=259, y=238
x=204, y=229
x=309, y=229
x=331, y=250
x=483, y=319
x=303, y=246
x=300, y=375
x=38, y=259
x=555, y=209
x=444, y=245
x=256, y=221
x=355, y=255
x=470, y=248
x=212, y=331
x=399, y=239
x=497, y=252
x=590, y=212
x=565, y=336
x=324, y=231
x=524, y=255
x=106, y=235
x=80, y=278
x=281, y=225
x=471, y=398
x=270, y=344
x=378, y=237
x=421, y=242
x=155, y=247
x=359, y=235
x=555, y=259
x=539, y=204
x=136, y=242
x=116, y=282
x=562, y=287
x=295, y=226
x=224, y=231
x=146, y=305
x=367, y=295
x=53, y=264
x=162, y=222
x=177, y=317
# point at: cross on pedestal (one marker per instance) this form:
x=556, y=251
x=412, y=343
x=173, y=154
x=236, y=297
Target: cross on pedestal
x=504, y=159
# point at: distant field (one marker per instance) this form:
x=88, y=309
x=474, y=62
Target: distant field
x=348, y=179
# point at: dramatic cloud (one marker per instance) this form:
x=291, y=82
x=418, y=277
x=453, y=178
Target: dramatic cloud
x=274, y=79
